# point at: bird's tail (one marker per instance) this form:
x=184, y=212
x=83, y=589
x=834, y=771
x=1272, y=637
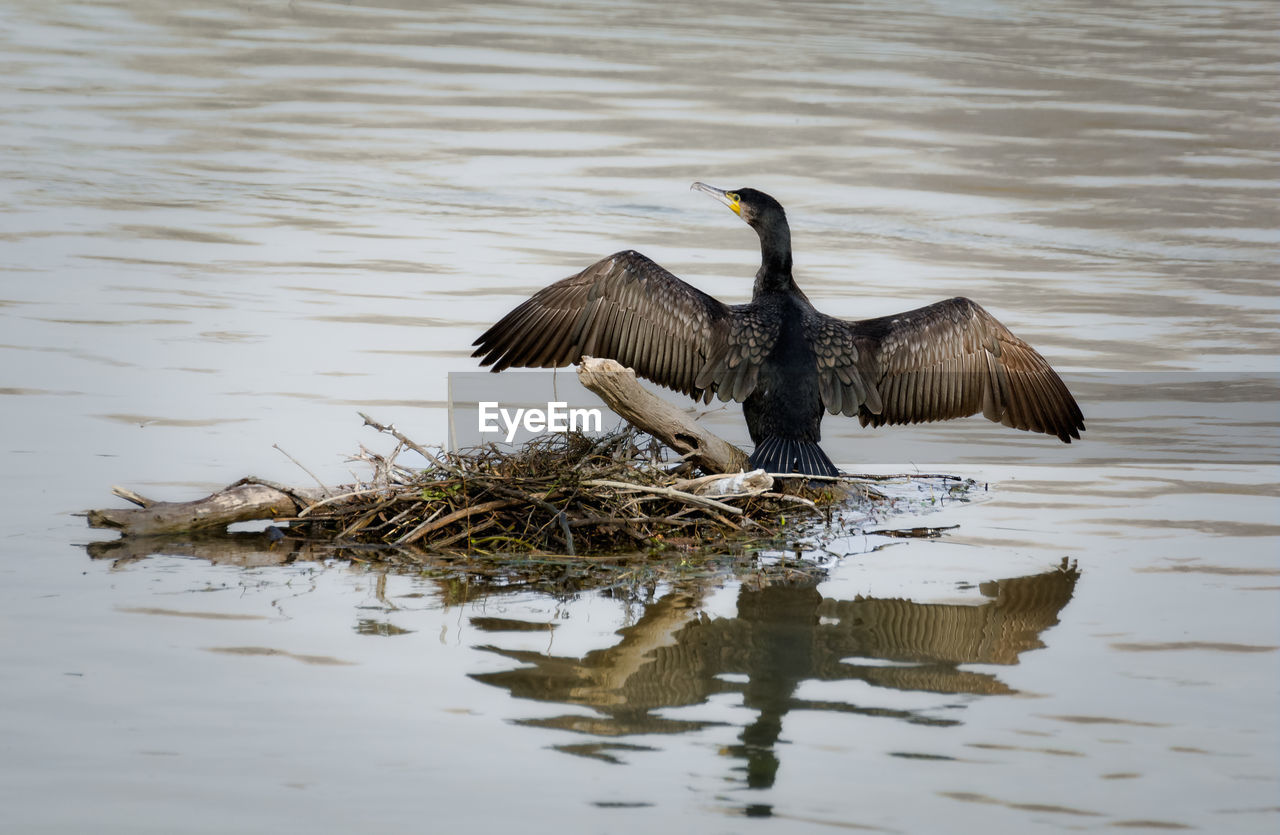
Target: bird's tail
x=788, y=455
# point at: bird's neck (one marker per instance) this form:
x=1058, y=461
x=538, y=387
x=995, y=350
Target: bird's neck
x=775, y=261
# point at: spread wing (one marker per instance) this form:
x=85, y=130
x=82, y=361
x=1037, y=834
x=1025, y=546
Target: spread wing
x=627, y=308
x=946, y=360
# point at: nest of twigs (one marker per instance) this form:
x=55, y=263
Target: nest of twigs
x=563, y=494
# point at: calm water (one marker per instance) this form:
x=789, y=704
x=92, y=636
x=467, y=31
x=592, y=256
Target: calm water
x=228, y=226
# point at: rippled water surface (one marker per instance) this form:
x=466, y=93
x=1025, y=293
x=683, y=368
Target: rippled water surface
x=228, y=226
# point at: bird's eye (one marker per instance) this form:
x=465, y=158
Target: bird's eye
x=733, y=195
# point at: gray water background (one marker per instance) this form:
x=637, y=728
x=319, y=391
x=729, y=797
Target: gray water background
x=228, y=226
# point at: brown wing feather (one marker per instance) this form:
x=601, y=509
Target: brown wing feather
x=734, y=368
x=626, y=307
x=943, y=361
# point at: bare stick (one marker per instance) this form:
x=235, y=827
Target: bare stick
x=130, y=496
x=669, y=492
x=786, y=497
x=326, y=490
x=339, y=497
x=393, y=432
x=429, y=526
x=893, y=477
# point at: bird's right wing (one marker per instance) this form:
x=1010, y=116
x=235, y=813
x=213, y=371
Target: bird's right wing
x=627, y=308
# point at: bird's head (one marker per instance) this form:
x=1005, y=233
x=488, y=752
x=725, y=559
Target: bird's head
x=758, y=209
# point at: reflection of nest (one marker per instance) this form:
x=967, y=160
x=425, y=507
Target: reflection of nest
x=784, y=635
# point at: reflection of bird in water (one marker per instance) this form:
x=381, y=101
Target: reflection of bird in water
x=783, y=636
x=779, y=356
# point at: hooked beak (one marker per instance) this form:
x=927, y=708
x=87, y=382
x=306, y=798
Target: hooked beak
x=727, y=198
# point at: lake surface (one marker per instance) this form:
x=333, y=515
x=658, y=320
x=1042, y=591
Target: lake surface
x=231, y=226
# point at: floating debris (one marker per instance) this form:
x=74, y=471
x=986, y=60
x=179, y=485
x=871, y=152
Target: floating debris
x=914, y=533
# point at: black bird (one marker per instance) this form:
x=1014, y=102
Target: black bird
x=777, y=355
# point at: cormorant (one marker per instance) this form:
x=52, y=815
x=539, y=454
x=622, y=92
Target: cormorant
x=777, y=355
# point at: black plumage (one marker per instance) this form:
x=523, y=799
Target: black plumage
x=782, y=359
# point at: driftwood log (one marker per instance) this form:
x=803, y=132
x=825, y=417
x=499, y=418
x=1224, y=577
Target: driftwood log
x=247, y=500
x=617, y=386
x=252, y=499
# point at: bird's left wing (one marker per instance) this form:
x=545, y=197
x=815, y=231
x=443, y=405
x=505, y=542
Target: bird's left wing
x=946, y=360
